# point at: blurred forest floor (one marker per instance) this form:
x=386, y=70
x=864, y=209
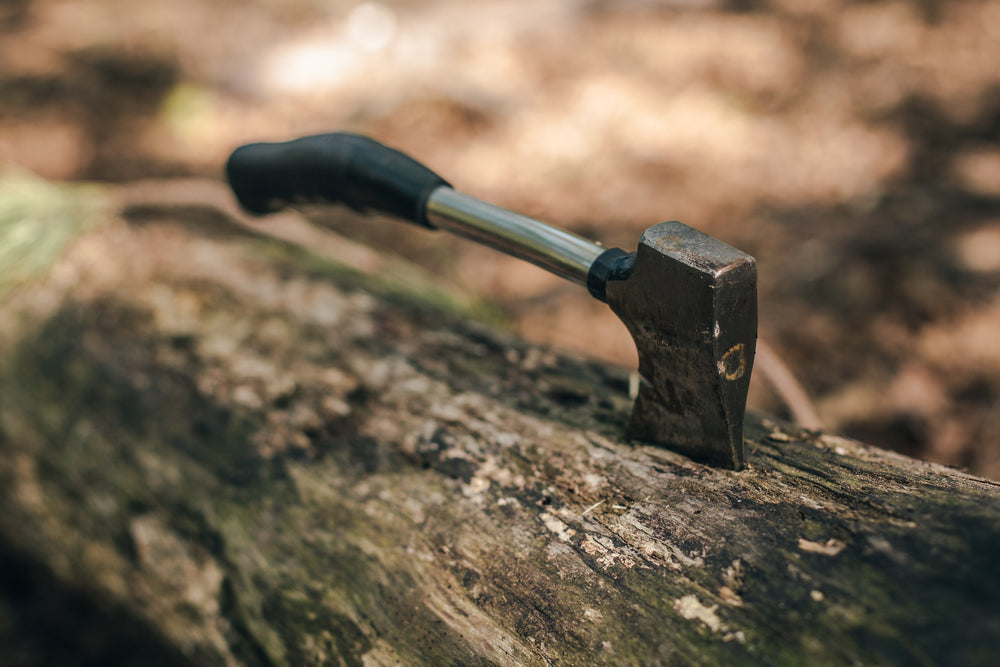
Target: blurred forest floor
x=852, y=147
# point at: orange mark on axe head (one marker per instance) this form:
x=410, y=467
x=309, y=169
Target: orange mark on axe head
x=734, y=363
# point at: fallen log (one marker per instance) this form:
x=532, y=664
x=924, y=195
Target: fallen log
x=220, y=448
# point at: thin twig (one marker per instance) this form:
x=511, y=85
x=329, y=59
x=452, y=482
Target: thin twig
x=788, y=388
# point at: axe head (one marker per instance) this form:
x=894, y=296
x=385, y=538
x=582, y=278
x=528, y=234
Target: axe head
x=690, y=303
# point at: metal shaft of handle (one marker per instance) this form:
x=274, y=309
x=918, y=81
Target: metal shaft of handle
x=563, y=253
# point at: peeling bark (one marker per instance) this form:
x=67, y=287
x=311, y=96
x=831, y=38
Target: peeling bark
x=216, y=448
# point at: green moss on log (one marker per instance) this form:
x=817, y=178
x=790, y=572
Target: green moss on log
x=37, y=221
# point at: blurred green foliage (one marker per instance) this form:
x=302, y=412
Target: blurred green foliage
x=37, y=221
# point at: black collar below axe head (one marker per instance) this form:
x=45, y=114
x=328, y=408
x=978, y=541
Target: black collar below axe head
x=689, y=300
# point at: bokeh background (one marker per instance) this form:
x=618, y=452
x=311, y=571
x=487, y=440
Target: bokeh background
x=853, y=147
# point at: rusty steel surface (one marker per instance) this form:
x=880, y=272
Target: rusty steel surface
x=691, y=305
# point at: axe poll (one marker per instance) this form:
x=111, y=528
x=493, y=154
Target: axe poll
x=689, y=300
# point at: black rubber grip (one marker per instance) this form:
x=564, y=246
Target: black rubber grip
x=612, y=264
x=332, y=168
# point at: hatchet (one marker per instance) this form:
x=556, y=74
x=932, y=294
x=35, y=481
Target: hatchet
x=689, y=300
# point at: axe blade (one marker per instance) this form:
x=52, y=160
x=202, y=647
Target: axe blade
x=690, y=303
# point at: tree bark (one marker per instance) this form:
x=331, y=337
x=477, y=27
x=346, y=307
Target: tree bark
x=219, y=448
